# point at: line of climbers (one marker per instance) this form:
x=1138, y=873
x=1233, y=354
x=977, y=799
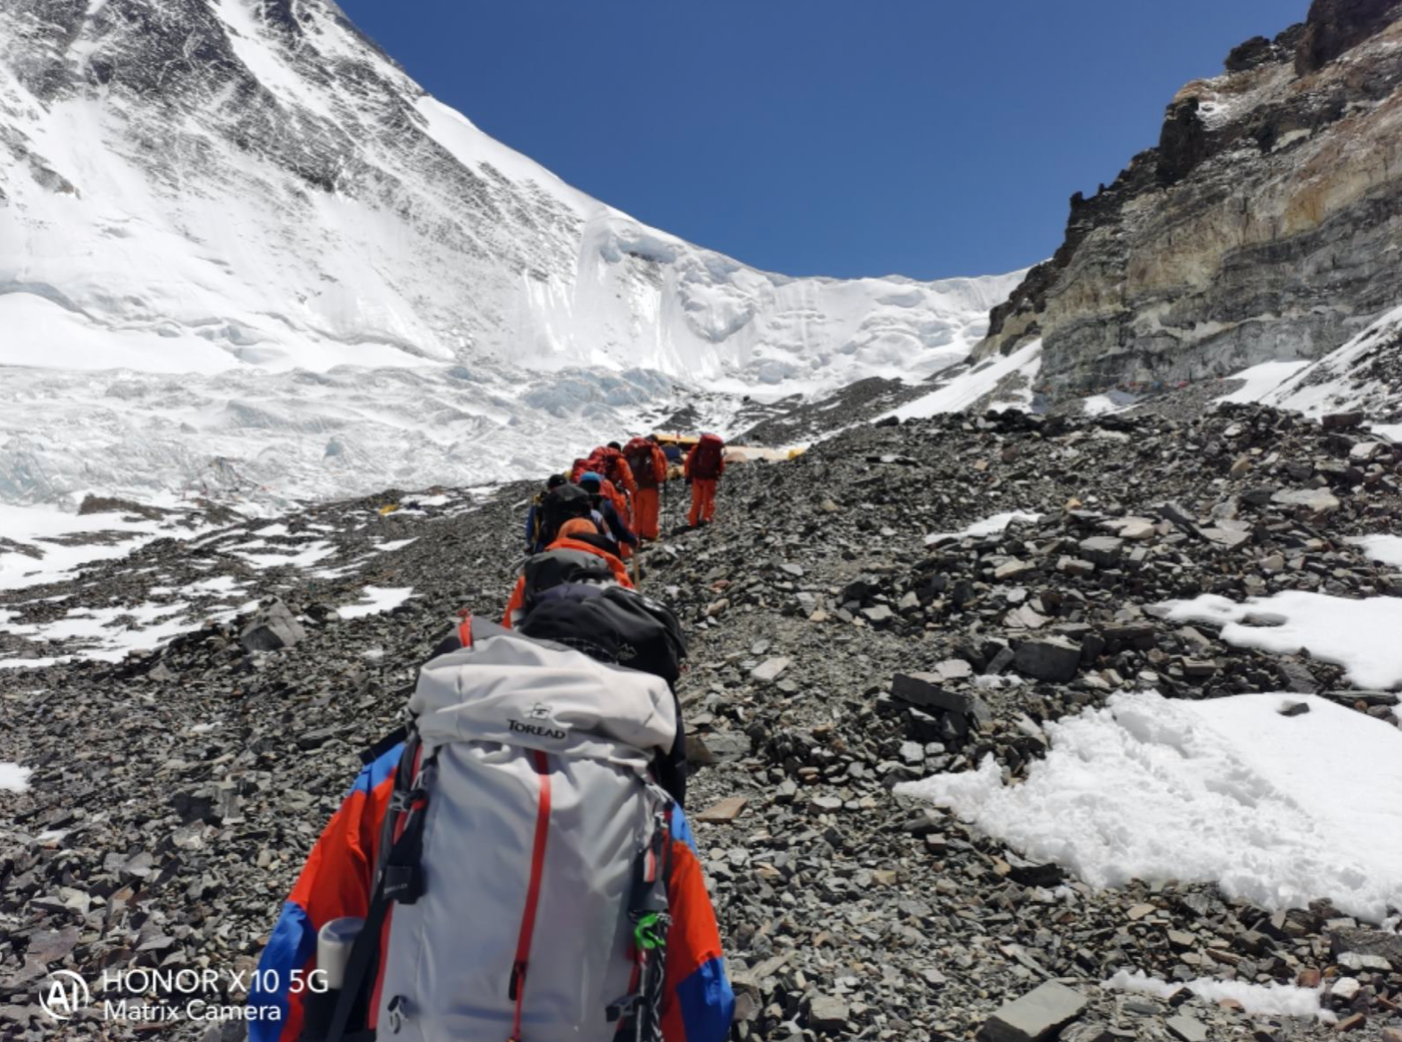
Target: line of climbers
x=625, y=484
x=515, y=863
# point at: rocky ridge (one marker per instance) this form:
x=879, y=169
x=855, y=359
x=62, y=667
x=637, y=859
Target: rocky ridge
x=835, y=651
x=1262, y=227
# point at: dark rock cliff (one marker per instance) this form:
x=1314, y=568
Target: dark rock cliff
x=1266, y=223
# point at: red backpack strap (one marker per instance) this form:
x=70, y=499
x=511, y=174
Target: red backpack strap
x=465, y=628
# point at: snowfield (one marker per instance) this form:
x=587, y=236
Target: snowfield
x=1021, y=367
x=1349, y=377
x=44, y=544
x=327, y=282
x=1277, y=810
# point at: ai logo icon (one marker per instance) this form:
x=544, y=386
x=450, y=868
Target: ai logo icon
x=63, y=994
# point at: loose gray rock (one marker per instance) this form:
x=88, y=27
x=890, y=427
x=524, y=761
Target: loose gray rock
x=1034, y=1016
x=1187, y=1028
x=274, y=627
x=1048, y=658
x=769, y=670
x=828, y=1015
x=1315, y=500
x=1102, y=550
x=925, y=689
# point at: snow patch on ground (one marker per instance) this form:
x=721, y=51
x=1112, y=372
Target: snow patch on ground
x=14, y=778
x=967, y=388
x=1360, y=635
x=1269, y=1000
x=1347, y=377
x=219, y=584
x=30, y=663
x=109, y=634
x=1261, y=380
x=1386, y=549
x=1276, y=810
x=376, y=599
x=988, y=526
x=304, y=558
x=54, y=543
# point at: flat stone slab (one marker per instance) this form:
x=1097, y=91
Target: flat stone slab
x=1316, y=500
x=723, y=811
x=1048, y=658
x=926, y=690
x=768, y=671
x=1035, y=1016
x=1187, y=1029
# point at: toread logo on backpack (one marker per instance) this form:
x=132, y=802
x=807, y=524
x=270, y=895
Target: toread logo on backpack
x=540, y=721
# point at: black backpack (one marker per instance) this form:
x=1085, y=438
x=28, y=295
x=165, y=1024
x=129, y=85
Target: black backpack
x=559, y=505
x=610, y=623
x=548, y=572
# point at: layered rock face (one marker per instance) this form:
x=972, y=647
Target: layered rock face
x=1265, y=225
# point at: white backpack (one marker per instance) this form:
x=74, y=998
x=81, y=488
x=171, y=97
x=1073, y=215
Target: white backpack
x=525, y=882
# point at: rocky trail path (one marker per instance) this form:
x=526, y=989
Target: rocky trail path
x=837, y=651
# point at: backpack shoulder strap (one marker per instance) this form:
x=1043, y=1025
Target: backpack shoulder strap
x=398, y=877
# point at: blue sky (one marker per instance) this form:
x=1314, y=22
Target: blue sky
x=832, y=137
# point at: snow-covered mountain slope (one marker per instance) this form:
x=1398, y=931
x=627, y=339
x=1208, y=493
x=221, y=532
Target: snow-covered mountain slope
x=218, y=188
x=1365, y=374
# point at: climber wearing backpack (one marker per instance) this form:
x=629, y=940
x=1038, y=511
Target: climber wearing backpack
x=608, y=461
x=614, y=527
x=616, y=467
x=649, y=466
x=704, y=466
x=562, y=501
x=535, y=517
x=508, y=871
x=616, y=625
x=578, y=554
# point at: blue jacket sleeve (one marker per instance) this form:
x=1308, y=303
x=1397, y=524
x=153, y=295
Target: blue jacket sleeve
x=620, y=531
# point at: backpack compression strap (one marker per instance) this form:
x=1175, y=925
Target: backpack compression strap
x=516, y=989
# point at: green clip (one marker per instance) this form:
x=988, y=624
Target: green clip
x=644, y=933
